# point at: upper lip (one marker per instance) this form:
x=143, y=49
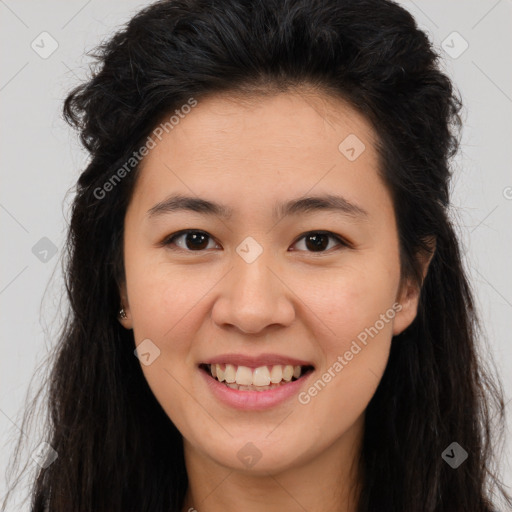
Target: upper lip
x=256, y=361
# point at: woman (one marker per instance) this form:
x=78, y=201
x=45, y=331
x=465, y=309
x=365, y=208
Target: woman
x=269, y=309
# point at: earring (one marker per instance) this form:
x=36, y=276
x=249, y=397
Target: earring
x=122, y=312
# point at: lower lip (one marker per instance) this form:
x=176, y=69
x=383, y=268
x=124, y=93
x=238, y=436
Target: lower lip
x=253, y=400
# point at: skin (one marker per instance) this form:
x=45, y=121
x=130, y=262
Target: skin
x=311, y=305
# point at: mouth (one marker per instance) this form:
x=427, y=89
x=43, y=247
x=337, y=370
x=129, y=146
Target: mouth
x=261, y=378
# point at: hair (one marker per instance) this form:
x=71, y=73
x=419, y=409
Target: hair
x=117, y=449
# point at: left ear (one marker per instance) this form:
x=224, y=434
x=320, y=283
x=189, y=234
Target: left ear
x=409, y=292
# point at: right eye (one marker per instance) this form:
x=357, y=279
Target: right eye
x=192, y=240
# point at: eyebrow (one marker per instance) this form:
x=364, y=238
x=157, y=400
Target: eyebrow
x=303, y=205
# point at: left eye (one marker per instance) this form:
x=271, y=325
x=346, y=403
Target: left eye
x=197, y=240
x=319, y=240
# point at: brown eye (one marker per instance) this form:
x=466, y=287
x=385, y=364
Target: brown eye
x=196, y=241
x=318, y=241
x=190, y=240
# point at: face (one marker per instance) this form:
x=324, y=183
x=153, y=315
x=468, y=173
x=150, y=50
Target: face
x=265, y=286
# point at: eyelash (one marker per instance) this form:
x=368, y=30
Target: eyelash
x=170, y=239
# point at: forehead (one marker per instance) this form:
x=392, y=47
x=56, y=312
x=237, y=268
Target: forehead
x=261, y=148
x=301, y=119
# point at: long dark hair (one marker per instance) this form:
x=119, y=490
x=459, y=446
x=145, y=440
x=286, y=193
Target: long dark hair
x=117, y=449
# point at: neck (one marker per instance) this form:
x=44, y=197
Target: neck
x=329, y=481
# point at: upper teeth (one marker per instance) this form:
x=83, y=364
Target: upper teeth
x=261, y=376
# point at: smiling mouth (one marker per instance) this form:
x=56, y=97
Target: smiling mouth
x=263, y=378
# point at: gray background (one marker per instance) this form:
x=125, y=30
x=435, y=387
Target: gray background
x=41, y=160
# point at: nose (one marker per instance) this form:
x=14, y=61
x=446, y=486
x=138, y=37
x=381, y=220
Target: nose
x=253, y=297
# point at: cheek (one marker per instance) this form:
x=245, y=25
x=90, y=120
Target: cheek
x=161, y=302
x=165, y=306
x=352, y=299
x=354, y=320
